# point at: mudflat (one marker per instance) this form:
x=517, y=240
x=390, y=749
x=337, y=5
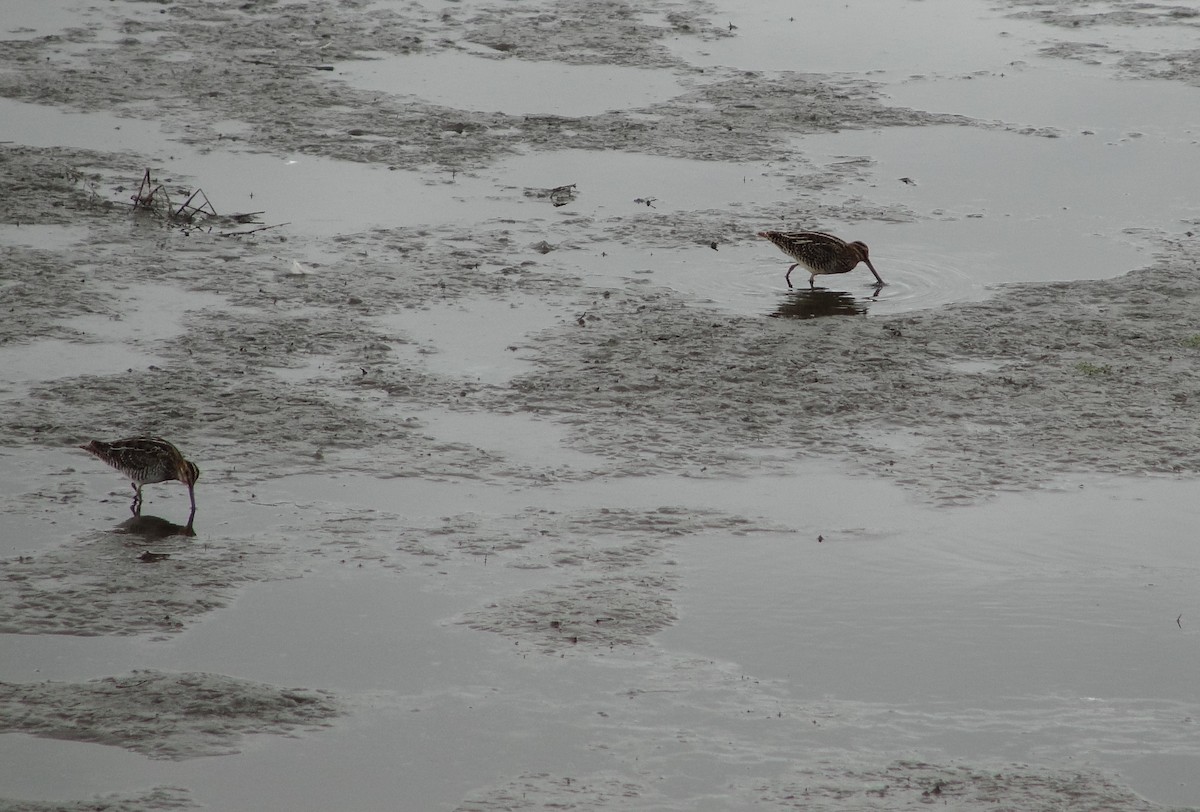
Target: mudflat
x=525, y=480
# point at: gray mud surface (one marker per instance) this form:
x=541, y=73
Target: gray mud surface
x=158, y=798
x=205, y=714
x=287, y=367
x=905, y=785
x=1124, y=349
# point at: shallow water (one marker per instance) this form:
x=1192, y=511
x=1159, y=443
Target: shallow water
x=311, y=194
x=776, y=35
x=471, y=82
x=941, y=604
x=822, y=621
x=1048, y=95
x=50, y=359
x=1027, y=625
x=25, y=21
x=481, y=340
x=146, y=313
x=379, y=639
x=48, y=237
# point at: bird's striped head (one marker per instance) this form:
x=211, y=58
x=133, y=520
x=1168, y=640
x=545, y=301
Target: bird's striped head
x=860, y=250
x=188, y=472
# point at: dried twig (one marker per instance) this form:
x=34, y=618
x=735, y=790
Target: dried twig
x=195, y=212
x=251, y=231
x=187, y=211
x=287, y=65
x=144, y=199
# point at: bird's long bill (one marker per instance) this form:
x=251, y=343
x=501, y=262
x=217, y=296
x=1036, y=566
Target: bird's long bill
x=878, y=278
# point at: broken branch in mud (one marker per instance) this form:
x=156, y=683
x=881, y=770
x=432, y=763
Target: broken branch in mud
x=192, y=212
x=287, y=65
x=154, y=197
x=188, y=211
x=144, y=199
x=251, y=231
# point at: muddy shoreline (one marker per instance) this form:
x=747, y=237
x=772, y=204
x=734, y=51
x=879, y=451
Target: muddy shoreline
x=303, y=369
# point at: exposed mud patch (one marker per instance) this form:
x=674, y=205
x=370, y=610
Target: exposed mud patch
x=1107, y=21
x=56, y=185
x=606, y=539
x=1112, y=12
x=669, y=387
x=208, y=713
x=581, y=32
x=914, y=785
x=594, y=792
x=155, y=799
x=1175, y=65
x=325, y=369
x=121, y=583
x=903, y=785
x=289, y=107
x=590, y=613
x=623, y=601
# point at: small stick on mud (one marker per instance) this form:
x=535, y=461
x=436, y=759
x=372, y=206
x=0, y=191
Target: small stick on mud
x=287, y=65
x=153, y=196
x=251, y=231
x=187, y=211
x=194, y=212
x=144, y=199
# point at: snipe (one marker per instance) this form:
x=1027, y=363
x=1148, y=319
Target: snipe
x=820, y=253
x=146, y=460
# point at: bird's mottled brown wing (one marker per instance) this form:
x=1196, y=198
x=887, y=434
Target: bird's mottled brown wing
x=146, y=459
x=815, y=249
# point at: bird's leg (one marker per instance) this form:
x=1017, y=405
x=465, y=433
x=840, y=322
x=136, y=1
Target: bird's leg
x=136, y=507
x=788, y=276
x=811, y=286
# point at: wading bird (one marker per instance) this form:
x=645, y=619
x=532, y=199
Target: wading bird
x=146, y=460
x=820, y=253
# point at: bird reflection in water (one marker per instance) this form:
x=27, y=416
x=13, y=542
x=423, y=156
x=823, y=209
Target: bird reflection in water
x=818, y=302
x=155, y=528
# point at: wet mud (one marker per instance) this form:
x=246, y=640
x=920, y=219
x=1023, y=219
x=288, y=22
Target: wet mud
x=313, y=376
x=206, y=713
